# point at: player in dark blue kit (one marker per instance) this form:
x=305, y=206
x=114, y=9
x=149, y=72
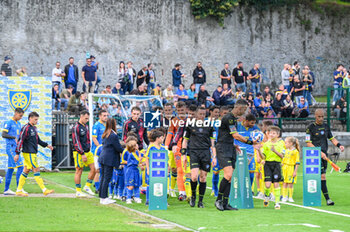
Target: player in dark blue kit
x=10, y=133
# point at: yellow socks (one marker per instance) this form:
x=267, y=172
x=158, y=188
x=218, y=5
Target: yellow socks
x=173, y=180
x=188, y=187
x=22, y=181
x=290, y=191
x=39, y=180
x=88, y=183
x=277, y=194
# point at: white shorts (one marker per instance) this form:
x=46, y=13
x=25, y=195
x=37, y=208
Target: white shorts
x=97, y=164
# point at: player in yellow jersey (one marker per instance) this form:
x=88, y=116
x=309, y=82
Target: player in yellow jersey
x=290, y=164
x=273, y=152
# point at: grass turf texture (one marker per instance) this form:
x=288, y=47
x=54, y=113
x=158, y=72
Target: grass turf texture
x=65, y=214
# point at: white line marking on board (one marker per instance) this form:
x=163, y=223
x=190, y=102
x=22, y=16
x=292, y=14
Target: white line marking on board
x=133, y=210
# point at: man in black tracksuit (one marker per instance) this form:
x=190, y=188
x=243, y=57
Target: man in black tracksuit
x=199, y=76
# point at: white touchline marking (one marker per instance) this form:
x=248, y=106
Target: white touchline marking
x=133, y=210
x=296, y=224
x=315, y=209
x=336, y=231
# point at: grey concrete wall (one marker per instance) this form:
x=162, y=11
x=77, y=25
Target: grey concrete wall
x=37, y=33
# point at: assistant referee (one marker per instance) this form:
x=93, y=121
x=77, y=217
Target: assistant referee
x=317, y=134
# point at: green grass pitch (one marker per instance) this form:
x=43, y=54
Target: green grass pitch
x=69, y=214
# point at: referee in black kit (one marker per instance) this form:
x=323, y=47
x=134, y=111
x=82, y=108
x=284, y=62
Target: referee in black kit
x=317, y=134
x=226, y=151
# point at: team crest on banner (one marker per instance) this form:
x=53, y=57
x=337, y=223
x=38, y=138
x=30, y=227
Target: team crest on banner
x=20, y=98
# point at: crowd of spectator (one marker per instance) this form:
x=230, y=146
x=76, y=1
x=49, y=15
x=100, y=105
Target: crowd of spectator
x=292, y=98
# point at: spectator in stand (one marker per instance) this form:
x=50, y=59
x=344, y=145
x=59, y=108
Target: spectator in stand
x=239, y=77
x=283, y=91
x=139, y=91
x=157, y=91
x=278, y=105
x=269, y=116
x=118, y=89
x=226, y=96
x=113, y=109
x=226, y=76
x=288, y=107
x=250, y=100
x=261, y=110
x=89, y=76
x=132, y=76
x=141, y=76
x=168, y=94
x=204, y=97
x=238, y=95
x=298, y=89
x=74, y=104
x=22, y=72
x=103, y=100
x=338, y=76
x=199, y=76
x=307, y=81
x=217, y=96
x=65, y=96
x=296, y=68
x=192, y=95
x=122, y=77
x=255, y=78
x=267, y=92
x=72, y=75
x=150, y=79
x=95, y=64
x=286, y=77
x=56, y=98
x=6, y=70
x=258, y=100
x=303, y=107
x=313, y=81
x=84, y=101
x=177, y=75
x=268, y=99
x=57, y=75
x=181, y=93
x=340, y=107
x=346, y=80
x=108, y=89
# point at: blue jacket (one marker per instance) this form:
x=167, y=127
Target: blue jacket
x=115, y=91
x=111, y=150
x=216, y=96
x=176, y=77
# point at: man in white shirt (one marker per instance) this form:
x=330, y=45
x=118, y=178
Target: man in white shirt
x=57, y=75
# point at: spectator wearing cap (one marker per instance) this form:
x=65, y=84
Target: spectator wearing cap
x=239, y=77
x=181, y=93
x=118, y=89
x=303, y=107
x=65, y=95
x=6, y=70
x=255, y=78
x=89, y=76
x=177, y=75
x=150, y=78
x=131, y=75
x=22, y=72
x=57, y=75
x=199, y=76
x=141, y=76
x=95, y=64
x=72, y=75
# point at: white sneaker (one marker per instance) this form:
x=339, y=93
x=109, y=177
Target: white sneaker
x=115, y=197
x=104, y=201
x=110, y=201
x=119, y=197
x=138, y=200
x=110, y=196
x=284, y=199
x=172, y=193
x=277, y=206
x=260, y=195
x=24, y=191
x=80, y=194
x=291, y=199
x=128, y=201
x=10, y=192
x=88, y=190
x=272, y=197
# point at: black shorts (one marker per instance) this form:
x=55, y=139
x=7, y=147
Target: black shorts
x=272, y=171
x=226, y=155
x=324, y=164
x=200, y=159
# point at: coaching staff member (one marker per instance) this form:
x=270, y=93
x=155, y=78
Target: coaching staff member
x=109, y=158
x=226, y=151
x=317, y=134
